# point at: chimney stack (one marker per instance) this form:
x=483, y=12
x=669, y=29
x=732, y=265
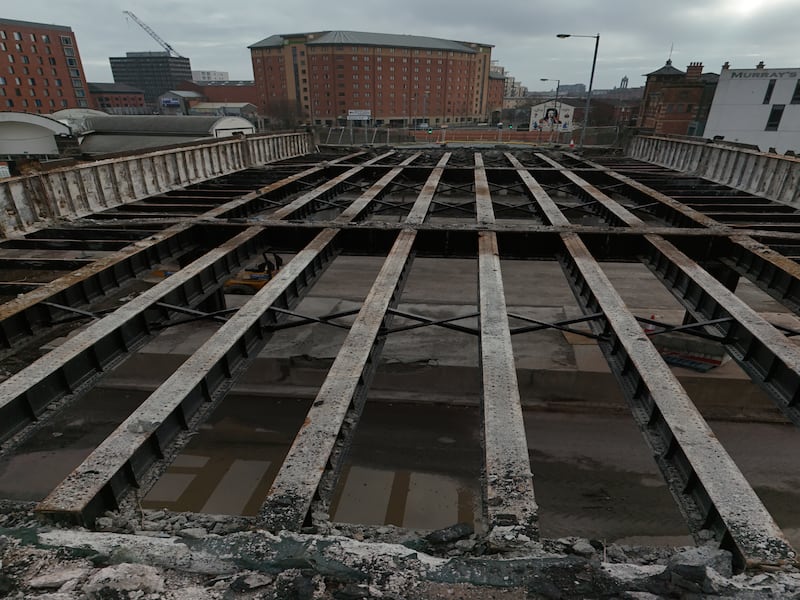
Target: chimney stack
x=760, y=64
x=694, y=70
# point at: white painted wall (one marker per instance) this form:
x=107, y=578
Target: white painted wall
x=739, y=114
x=540, y=121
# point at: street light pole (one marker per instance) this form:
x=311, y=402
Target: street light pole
x=591, y=80
x=554, y=124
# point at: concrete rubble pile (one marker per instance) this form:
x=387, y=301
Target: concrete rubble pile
x=157, y=554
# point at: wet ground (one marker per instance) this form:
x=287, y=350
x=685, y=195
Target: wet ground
x=416, y=466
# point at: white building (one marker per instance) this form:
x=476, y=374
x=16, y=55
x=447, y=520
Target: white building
x=553, y=115
x=757, y=106
x=210, y=76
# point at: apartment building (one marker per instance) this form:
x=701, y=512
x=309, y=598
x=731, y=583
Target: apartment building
x=384, y=79
x=40, y=68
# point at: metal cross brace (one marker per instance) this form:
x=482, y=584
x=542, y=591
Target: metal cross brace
x=425, y=322
x=305, y=320
x=560, y=325
x=689, y=328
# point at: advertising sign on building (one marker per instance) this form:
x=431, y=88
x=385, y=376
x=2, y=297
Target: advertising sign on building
x=359, y=114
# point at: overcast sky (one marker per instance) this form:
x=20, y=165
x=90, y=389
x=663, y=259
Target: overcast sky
x=635, y=35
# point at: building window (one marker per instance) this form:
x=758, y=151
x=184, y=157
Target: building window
x=17, y=35
x=74, y=73
x=51, y=60
x=46, y=38
x=796, y=94
x=11, y=58
x=770, y=88
x=9, y=103
x=775, y=115
x=25, y=60
x=3, y=35
x=37, y=102
x=2, y=80
x=66, y=40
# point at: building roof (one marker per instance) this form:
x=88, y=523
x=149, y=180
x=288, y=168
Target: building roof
x=667, y=69
x=217, y=105
x=159, y=125
x=12, y=22
x=227, y=83
x=112, y=88
x=184, y=94
x=360, y=38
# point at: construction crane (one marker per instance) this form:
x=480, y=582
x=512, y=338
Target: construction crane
x=153, y=34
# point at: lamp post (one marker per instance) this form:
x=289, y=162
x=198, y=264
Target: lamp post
x=554, y=124
x=591, y=80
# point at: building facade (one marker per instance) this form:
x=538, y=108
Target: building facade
x=677, y=102
x=757, y=106
x=116, y=98
x=40, y=68
x=223, y=91
x=152, y=72
x=210, y=76
x=395, y=80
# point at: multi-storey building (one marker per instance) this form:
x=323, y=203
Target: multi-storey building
x=389, y=79
x=210, y=76
x=40, y=68
x=757, y=106
x=152, y=72
x=676, y=102
x=116, y=98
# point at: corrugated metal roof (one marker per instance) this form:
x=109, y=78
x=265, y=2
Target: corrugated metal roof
x=360, y=38
x=154, y=124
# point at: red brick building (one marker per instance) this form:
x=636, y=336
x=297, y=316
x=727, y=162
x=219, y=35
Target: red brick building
x=676, y=102
x=400, y=79
x=40, y=68
x=116, y=97
x=223, y=91
x=497, y=85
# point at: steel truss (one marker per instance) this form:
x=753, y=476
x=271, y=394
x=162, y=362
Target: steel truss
x=696, y=243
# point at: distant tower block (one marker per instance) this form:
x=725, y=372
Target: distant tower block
x=623, y=84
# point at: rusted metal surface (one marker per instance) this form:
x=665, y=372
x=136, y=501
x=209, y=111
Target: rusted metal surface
x=28, y=202
x=65, y=369
x=315, y=458
x=709, y=487
x=760, y=349
x=291, y=203
x=320, y=444
x=117, y=464
x=509, y=497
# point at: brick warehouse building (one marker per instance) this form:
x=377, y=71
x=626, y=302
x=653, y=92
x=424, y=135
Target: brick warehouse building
x=40, y=68
x=676, y=102
x=400, y=79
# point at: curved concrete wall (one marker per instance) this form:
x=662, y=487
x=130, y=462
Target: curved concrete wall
x=769, y=175
x=28, y=203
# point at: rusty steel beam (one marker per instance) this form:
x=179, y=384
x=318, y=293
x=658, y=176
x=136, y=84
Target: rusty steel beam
x=333, y=187
x=320, y=445
x=118, y=464
x=316, y=456
x=73, y=365
x=23, y=316
x=711, y=491
x=110, y=471
x=509, y=500
x=761, y=350
x=774, y=274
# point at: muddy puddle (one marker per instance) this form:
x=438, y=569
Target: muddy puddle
x=411, y=465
